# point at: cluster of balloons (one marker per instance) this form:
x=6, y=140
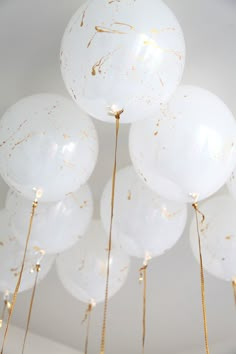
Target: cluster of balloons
x=116, y=56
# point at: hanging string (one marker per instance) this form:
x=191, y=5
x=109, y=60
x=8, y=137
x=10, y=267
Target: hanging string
x=143, y=279
x=87, y=318
x=34, y=206
x=234, y=289
x=37, y=270
x=6, y=306
x=198, y=212
x=102, y=347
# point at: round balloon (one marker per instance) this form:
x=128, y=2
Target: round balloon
x=56, y=226
x=48, y=145
x=218, y=237
x=145, y=224
x=11, y=256
x=83, y=269
x=122, y=55
x=189, y=151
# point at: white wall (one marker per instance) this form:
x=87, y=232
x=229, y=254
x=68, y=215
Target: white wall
x=226, y=347
x=35, y=344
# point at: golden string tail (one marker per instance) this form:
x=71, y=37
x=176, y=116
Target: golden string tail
x=37, y=270
x=34, y=206
x=234, y=289
x=198, y=212
x=143, y=279
x=87, y=318
x=6, y=306
x=102, y=347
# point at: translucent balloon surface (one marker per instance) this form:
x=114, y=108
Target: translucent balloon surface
x=218, y=237
x=56, y=226
x=83, y=268
x=122, y=55
x=189, y=151
x=46, y=144
x=144, y=223
x=11, y=255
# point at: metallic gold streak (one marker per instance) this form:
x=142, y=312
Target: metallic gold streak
x=99, y=64
x=99, y=29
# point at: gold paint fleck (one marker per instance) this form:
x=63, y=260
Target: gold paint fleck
x=108, y=30
x=99, y=64
x=85, y=203
x=65, y=136
x=124, y=269
x=154, y=45
x=228, y=238
x=129, y=195
x=124, y=24
x=68, y=163
x=83, y=17
x=1, y=243
x=13, y=269
x=100, y=29
x=155, y=133
x=21, y=141
x=10, y=137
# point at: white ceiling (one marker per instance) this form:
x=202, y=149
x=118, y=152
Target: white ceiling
x=30, y=34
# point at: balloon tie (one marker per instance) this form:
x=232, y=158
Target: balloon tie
x=87, y=318
x=143, y=279
x=34, y=207
x=117, y=115
x=198, y=212
x=37, y=269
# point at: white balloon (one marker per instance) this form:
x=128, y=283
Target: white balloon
x=11, y=256
x=122, y=55
x=189, y=151
x=218, y=237
x=145, y=224
x=46, y=144
x=82, y=269
x=56, y=226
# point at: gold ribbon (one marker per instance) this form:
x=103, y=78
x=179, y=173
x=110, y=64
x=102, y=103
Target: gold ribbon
x=204, y=312
x=87, y=318
x=102, y=347
x=34, y=206
x=37, y=270
x=6, y=306
x=143, y=279
x=234, y=289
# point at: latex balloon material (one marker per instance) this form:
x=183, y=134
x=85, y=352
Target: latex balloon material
x=189, y=151
x=145, y=224
x=218, y=237
x=46, y=144
x=122, y=55
x=11, y=255
x=56, y=226
x=82, y=269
